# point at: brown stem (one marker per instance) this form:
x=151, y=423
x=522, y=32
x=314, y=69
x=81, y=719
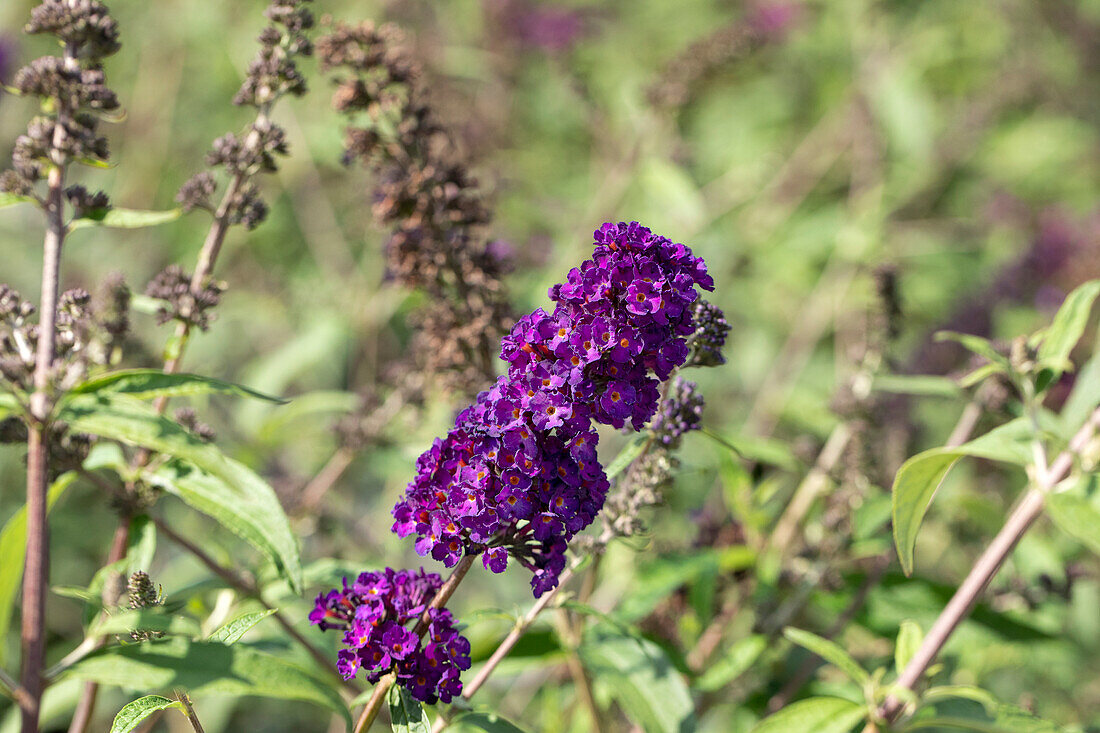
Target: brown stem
x=189, y=711
x=582, y=684
x=36, y=568
x=248, y=588
x=986, y=567
x=316, y=489
x=517, y=632
x=378, y=696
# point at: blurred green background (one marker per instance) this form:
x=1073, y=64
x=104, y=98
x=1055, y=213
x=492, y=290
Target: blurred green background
x=807, y=150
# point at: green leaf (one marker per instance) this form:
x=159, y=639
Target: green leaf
x=916, y=384
x=223, y=488
x=919, y=477
x=134, y=713
x=13, y=548
x=1076, y=516
x=488, y=722
x=406, y=713
x=1068, y=325
x=630, y=451
x=963, y=692
x=978, y=345
x=909, y=640
x=830, y=651
x=735, y=662
x=142, y=544
x=149, y=384
x=126, y=219
x=206, y=668
x=145, y=619
x=816, y=714
x=11, y=199
x=9, y=405
x=232, y=631
x=255, y=518
x=640, y=676
x=1084, y=398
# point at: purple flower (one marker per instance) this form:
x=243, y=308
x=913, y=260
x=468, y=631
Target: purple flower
x=619, y=321
x=378, y=613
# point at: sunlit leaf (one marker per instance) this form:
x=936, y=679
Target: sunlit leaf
x=909, y=640
x=223, y=488
x=149, y=384
x=206, y=668
x=232, y=631
x=919, y=477
x=1068, y=326
x=817, y=714
x=132, y=715
x=127, y=219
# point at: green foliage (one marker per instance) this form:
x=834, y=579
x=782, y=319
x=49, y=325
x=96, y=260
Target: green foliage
x=232, y=631
x=819, y=714
x=831, y=652
x=406, y=713
x=134, y=713
x=148, y=384
x=639, y=675
x=126, y=219
x=206, y=667
x=203, y=476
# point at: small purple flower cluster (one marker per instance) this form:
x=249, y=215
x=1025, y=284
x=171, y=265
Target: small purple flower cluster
x=680, y=412
x=373, y=613
x=518, y=475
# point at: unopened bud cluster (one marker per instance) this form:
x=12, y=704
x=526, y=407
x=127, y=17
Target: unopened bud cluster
x=74, y=95
x=271, y=75
x=141, y=593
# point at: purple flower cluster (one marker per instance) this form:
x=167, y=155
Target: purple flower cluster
x=375, y=614
x=518, y=475
x=681, y=411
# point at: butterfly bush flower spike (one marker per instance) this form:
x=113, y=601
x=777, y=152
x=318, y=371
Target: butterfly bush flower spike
x=518, y=475
x=378, y=614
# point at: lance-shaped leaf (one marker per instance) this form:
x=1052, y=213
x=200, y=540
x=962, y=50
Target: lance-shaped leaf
x=148, y=384
x=126, y=219
x=1077, y=514
x=132, y=714
x=203, y=476
x=1068, y=325
x=909, y=640
x=831, y=652
x=816, y=714
x=919, y=477
x=206, y=668
x=232, y=631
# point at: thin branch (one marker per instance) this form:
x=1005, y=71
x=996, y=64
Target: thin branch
x=189, y=711
x=37, y=564
x=249, y=588
x=987, y=566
